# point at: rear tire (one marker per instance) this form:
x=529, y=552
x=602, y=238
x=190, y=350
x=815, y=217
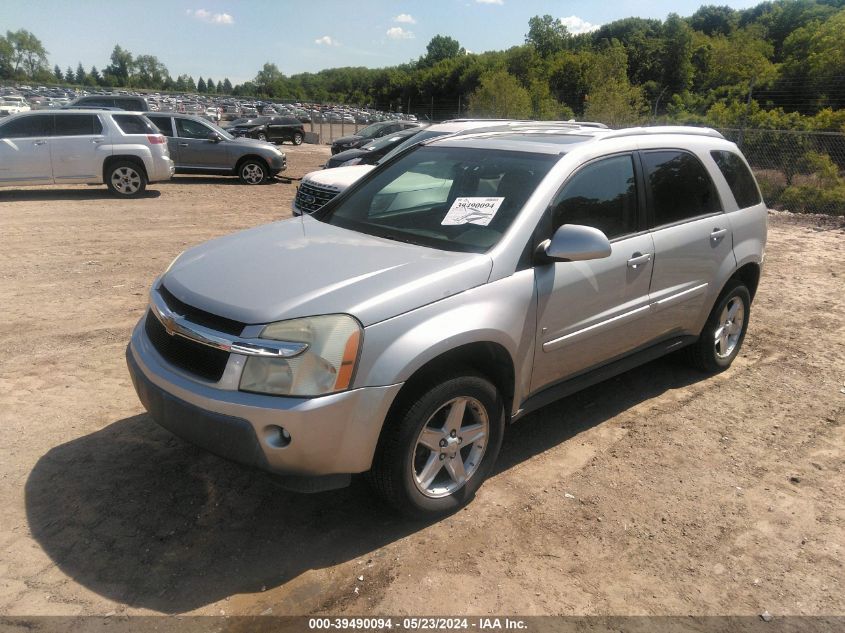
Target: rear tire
x=261, y=136
x=439, y=446
x=723, y=334
x=126, y=179
x=297, y=139
x=253, y=172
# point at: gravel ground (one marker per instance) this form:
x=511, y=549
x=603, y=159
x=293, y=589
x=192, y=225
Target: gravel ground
x=660, y=492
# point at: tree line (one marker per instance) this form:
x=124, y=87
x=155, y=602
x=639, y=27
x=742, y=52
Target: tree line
x=24, y=58
x=779, y=63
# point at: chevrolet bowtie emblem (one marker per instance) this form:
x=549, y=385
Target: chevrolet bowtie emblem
x=169, y=324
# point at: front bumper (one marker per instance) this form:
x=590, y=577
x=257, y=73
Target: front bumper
x=334, y=434
x=278, y=163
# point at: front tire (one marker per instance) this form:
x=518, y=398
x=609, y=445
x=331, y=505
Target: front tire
x=125, y=179
x=297, y=139
x=253, y=172
x=439, y=446
x=261, y=136
x=723, y=334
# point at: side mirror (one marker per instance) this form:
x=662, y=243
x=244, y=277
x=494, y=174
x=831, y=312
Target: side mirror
x=575, y=243
x=214, y=137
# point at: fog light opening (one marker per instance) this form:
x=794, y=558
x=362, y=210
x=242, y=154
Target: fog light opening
x=277, y=436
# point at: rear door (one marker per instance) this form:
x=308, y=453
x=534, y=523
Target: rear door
x=196, y=152
x=25, y=150
x=277, y=129
x=692, y=239
x=591, y=312
x=164, y=122
x=73, y=148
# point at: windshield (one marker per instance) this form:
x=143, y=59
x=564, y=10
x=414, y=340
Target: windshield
x=457, y=199
x=387, y=141
x=370, y=131
x=419, y=137
x=253, y=121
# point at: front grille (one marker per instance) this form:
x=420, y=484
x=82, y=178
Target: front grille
x=200, y=317
x=311, y=197
x=195, y=358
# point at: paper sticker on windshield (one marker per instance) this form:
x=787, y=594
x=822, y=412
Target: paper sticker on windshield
x=472, y=211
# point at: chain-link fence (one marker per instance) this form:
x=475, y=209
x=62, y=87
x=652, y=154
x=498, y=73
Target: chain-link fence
x=798, y=171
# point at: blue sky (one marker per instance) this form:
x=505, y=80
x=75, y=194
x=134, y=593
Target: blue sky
x=234, y=38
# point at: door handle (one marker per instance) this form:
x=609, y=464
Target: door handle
x=717, y=234
x=39, y=142
x=97, y=141
x=639, y=258
x=183, y=145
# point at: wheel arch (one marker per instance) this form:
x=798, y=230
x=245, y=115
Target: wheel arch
x=487, y=358
x=116, y=158
x=748, y=274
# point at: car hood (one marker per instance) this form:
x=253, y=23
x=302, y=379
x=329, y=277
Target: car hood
x=338, y=177
x=303, y=267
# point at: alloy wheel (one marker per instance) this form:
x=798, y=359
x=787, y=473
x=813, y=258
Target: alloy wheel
x=729, y=330
x=126, y=180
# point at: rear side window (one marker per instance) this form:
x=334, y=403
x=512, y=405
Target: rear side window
x=134, y=124
x=602, y=195
x=26, y=127
x=290, y=121
x=739, y=178
x=77, y=125
x=163, y=123
x=680, y=186
x=97, y=102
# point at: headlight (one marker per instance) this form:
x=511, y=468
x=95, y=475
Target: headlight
x=326, y=366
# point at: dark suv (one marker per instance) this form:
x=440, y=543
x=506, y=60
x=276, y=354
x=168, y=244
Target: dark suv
x=276, y=129
x=370, y=133
x=122, y=102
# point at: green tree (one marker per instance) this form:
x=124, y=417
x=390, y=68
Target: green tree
x=28, y=53
x=122, y=65
x=6, y=55
x=227, y=87
x=210, y=87
x=713, y=20
x=500, y=95
x=441, y=47
x=201, y=87
x=57, y=72
x=612, y=99
x=149, y=72
x=79, y=77
x=69, y=75
x=676, y=55
x=94, y=76
x=547, y=34
x=269, y=80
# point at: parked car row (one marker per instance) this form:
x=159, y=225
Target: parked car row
x=125, y=150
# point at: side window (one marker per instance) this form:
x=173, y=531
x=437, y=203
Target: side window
x=98, y=103
x=739, y=178
x=680, y=186
x=187, y=128
x=26, y=127
x=163, y=123
x=77, y=125
x=134, y=124
x=602, y=195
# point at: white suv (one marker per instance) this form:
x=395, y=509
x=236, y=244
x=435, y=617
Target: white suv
x=124, y=150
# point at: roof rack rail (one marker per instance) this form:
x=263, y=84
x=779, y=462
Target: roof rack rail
x=664, y=129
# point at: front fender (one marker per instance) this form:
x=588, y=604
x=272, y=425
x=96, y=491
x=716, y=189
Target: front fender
x=501, y=312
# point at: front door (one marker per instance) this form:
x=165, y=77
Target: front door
x=25, y=150
x=195, y=151
x=591, y=312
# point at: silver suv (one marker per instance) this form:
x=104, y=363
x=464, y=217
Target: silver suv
x=454, y=289
x=121, y=149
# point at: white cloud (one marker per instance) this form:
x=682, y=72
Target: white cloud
x=577, y=26
x=326, y=40
x=405, y=18
x=398, y=33
x=211, y=18
x=490, y=1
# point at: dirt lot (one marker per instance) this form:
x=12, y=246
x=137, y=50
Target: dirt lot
x=661, y=492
